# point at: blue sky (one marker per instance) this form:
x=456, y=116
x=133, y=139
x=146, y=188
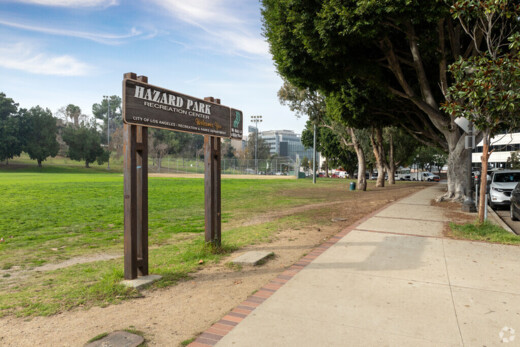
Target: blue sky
x=57, y=52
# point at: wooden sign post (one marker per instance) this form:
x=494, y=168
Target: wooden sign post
x=135, y=148
x=146, y=106
x=212, y=211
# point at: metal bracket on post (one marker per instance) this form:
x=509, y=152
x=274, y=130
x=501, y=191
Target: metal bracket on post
x=135, y=147
x=212, y=191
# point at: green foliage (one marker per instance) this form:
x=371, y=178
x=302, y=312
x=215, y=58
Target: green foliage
x=40, y=134
x=262, y=148
x=305, y=164
x=484, y=232
x=73, y=112
x=84, y=143
x=486, y=92
x=100, y=111
x=513, y=162
x=11, y=139
x=427, y=157
x=485, y=88
x=303, y=102
x=228, y=152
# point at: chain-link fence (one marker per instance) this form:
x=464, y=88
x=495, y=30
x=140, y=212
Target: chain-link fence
x=279, y=166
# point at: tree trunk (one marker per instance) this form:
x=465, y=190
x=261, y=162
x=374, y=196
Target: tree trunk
x=483, y=178
x=362, y=182
x=39, y=163
x=458, y=174
x=327, y=167
x=390, y=164
x=86, y=164
x=376, y=139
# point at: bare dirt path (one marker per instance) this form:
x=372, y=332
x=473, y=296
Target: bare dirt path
x=171, y=315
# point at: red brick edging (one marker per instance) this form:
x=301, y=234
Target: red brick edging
x=217, y=331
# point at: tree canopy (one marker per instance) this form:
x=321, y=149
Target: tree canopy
x=398, y=49
x=11, y=141
x=40, y=134
x=84, y=144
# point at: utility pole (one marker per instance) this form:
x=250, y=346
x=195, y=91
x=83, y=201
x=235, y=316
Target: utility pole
x=256, y=120
x=314, y=157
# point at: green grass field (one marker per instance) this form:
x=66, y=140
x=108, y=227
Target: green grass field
x=53, y=214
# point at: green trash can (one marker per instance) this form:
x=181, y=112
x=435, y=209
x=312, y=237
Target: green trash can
x=352, y=185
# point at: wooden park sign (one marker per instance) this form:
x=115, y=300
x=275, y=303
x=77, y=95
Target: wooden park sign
x=144, y=106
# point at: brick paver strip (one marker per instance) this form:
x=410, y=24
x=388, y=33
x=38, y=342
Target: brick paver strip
x=205, y=342
x=213, y=330
x=228, y=322
x=221, y=326
x=198, y=344
x=242, y=311
x=210, y=336
x=239, y=315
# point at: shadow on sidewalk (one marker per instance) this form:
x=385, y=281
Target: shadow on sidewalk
x=391, y=253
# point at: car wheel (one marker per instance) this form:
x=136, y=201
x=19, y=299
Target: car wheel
x=491, y=204
x=512, y=210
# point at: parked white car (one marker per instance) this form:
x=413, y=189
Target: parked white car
x=428, y=176
x=500, y=187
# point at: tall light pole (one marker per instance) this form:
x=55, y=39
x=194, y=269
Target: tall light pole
x=107, y=98
x=256, y=120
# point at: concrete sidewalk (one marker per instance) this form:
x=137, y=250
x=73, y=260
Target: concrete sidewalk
x=393, y=280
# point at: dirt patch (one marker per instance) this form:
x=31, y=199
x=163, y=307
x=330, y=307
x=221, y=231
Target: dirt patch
x=171, y=315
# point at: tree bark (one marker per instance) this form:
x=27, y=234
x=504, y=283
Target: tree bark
x=483, y=178
x=390, y=164
x=86, y=164
x=458, y=174
x=376, y=139
x=39, y=163
x=380, y=158
x=362, y=181
x=457, y=168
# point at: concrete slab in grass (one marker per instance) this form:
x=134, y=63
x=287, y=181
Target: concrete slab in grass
x=253, y=258
x=118, y=339
x=141, y=282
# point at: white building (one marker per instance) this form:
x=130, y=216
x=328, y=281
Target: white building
x=286, y=143
x=502, y=146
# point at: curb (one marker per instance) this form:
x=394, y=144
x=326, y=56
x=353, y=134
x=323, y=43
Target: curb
x=495, y=219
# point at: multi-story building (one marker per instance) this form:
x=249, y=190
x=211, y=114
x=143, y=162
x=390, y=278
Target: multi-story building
x=502, y=146
x=286, y=143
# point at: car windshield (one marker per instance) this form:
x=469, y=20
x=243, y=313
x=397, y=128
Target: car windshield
x=506, y=177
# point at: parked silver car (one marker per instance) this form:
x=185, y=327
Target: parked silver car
x=500, y=187
x=514, y=206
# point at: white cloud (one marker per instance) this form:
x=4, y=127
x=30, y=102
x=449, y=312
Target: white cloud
x=225, y=25
x=72, y=3
x=111, y=39
x=21, y=56
x=198, y=11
